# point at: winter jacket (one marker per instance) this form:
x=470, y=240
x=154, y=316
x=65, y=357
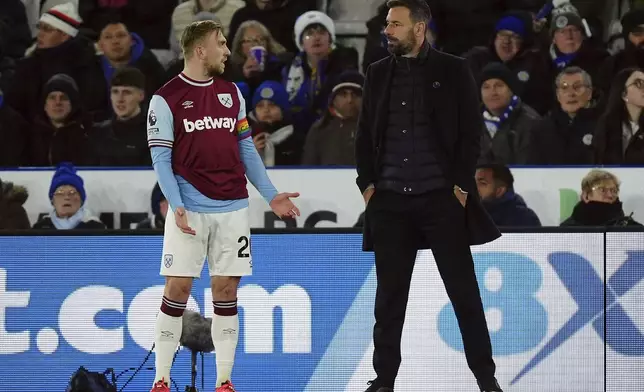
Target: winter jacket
x=558, y=139
x=331, y=141
x=77, y=58
x=13, y=215
x=609, y=146
x=599, y=214
x=50, y=146
x=15, y=34
x=14, y=137
x=510, y=144
x=511, y=210
x=122, y=143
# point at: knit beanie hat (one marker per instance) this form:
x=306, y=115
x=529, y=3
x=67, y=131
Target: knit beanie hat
x=501, y=72
x=511, y=23
x=66, y=175
x=566, y=15
x=631, y=20
x=156, y=197
x=310, y=18
x=275, y=92
x=63, y=17
x=347, y=79
x=66, y=84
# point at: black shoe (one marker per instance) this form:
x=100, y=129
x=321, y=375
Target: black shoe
x=374, y=386
x=492, y=387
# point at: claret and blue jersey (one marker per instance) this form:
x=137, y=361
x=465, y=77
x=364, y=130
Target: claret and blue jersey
x=201, y=146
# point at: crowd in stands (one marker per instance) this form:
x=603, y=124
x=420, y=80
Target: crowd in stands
x=561, y=81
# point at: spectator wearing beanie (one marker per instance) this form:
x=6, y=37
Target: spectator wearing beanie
x=243, y=66
x=159, y=205
x=276, y=15
x=120, y=48
x=13, y=215
x=14, y=131
x=331, y=140
x=513, y=44
x=61, y=132
x=273, y=132
x=570, y=45
x=59, y=49
x=319, y=59
x=122, y=140
x=67, y=195
x=508, y=120
x=633, y=54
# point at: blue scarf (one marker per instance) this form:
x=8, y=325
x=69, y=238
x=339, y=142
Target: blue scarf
x=67, y=223
x=494, y=123
x=561, y=60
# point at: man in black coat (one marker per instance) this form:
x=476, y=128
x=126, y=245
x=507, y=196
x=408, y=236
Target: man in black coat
x=417, y=145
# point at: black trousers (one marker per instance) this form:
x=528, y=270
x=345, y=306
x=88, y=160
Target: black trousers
x=398, y=224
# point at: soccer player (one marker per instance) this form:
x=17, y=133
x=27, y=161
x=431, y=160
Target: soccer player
x=202, y=152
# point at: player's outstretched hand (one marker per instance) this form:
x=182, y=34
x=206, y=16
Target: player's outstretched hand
x=181, y=219
x=283, y=206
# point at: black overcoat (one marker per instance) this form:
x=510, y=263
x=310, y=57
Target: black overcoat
x=452, y=101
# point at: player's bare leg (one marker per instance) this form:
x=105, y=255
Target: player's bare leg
x=167, y=331
x=225, y=327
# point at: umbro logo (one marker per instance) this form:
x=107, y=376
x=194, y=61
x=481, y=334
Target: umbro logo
x=187, y=104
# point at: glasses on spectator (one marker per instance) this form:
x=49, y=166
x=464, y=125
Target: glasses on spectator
x=312, y=31
x=576, y=87
x=639, y=83
x=605, y=190
x=509, y=36
x=70, y=193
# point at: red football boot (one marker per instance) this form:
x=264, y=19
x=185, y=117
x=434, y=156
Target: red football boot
x=226, y=387
x=160, y=386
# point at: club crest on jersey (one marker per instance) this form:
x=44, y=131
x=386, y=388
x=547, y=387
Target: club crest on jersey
x=226, y=100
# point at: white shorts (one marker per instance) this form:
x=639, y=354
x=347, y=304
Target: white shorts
x=224, y=238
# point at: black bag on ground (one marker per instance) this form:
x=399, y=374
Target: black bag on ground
x=85, y=381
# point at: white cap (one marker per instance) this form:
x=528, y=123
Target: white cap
x=310, y=18
x=63, y=17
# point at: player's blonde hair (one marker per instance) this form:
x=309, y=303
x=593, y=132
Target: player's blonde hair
x=196, y=32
